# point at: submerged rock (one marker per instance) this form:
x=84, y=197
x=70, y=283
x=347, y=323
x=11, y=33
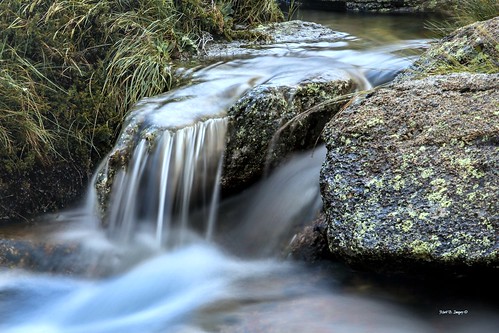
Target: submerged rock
x=310, y=243
x=269, y=39
x=39, y=256
x=411, y=175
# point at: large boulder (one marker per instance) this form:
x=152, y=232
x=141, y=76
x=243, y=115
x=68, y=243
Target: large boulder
x=381, y=6
x=411, y=175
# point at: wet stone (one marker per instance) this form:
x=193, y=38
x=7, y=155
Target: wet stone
x=274, y=119
x=411, y=175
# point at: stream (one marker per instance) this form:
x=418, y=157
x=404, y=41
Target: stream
x=167, y=263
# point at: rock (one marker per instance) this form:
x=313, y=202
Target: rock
x=281, y=105
x=381, y=6
x=260, y=113
x=271, y=37
x=44, y=188
x=411, y=175
x=310, y=243
x=471, y=48
x=40, y=256
x=265, y=124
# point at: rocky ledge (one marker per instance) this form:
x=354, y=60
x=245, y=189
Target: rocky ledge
x=411, y=174
x=380, y=6
x=273, y=120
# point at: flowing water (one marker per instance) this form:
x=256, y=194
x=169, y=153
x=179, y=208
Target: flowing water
x=174, y=258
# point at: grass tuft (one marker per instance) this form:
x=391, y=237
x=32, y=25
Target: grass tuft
x=463, y=13
x=70, y=69
x=473, y=48
x=22, y=126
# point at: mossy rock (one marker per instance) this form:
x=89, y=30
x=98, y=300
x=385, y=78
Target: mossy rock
x=257, y=115
x=473, y=48
x=265, y=124
x=411, y=175
x=253, y=121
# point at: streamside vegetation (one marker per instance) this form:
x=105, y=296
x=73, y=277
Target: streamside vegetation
x=70, y=70
x=464, y=12
x=472, y=47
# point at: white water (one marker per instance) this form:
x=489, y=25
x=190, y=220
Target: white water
x=161, y=182
x=193, y=289
x=191, y=284
x=177, y=138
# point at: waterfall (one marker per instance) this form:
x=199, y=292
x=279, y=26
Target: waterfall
x=163, y=175
x=165, y=180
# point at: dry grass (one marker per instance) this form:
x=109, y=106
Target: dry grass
x=72, y=68
x=21, y=107
x=463, y=13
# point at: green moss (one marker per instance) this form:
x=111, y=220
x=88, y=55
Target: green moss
x=377, y=182
x=427, y=173
x=439, y=193
x=407, y=226
x=374, y=122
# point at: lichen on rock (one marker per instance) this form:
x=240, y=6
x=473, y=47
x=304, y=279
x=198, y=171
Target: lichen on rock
x=472, y=48
x=411, y=174
x=265, y=124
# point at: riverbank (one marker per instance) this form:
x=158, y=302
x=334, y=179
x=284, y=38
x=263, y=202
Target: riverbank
x=72, y=69
x=380, y=6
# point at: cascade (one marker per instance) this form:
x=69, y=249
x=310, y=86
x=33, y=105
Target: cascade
x=167, y=163
x=162, y=178
x=165, y=179
x=163, y=175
